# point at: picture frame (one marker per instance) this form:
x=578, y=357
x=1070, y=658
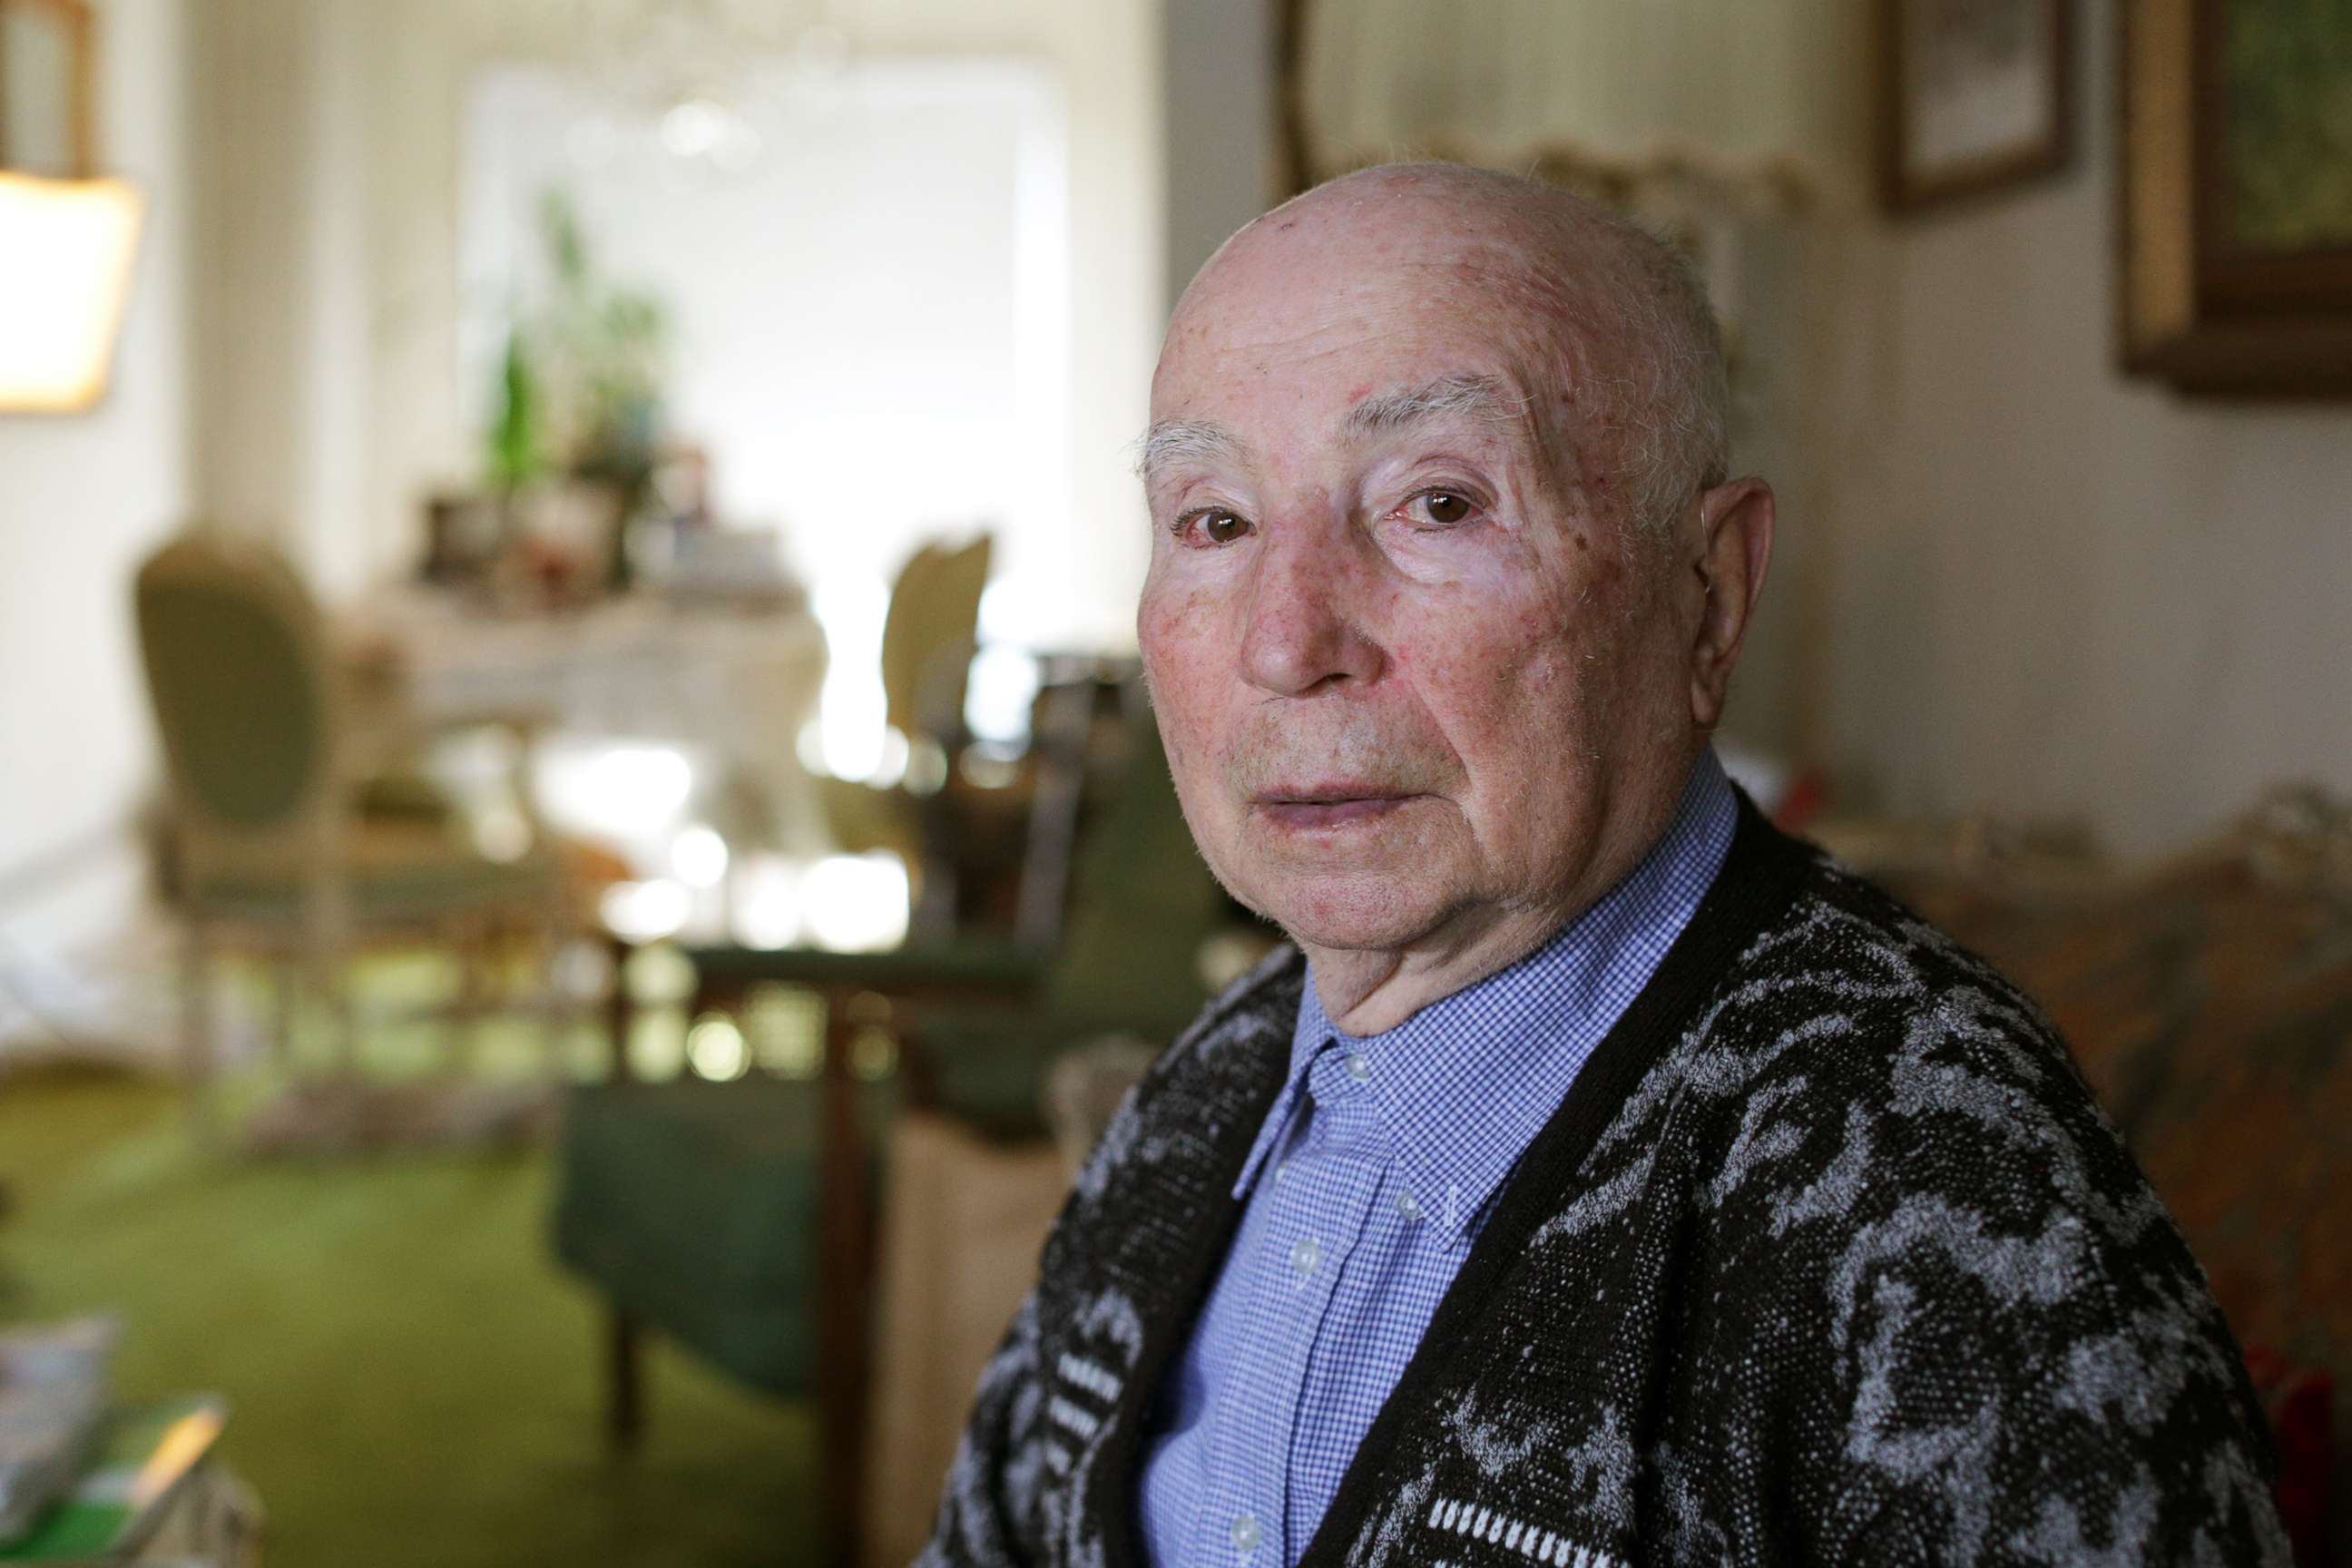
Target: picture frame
x=2234, y=229
x=49, y=85
x=1975, y=95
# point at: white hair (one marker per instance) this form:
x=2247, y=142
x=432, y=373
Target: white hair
x=1676, y=403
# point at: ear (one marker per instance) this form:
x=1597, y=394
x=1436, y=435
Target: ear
x=1734, y=549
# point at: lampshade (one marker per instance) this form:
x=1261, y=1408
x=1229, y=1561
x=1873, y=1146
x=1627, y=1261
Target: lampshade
x=66, y=247
x=1771, y=94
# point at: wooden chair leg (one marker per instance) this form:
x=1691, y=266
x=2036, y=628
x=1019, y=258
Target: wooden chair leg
x=198, y=1046
x=620, y=1008
x=467, y=940
x=844, y=1306
x=286, y=995
x=328, y=961
x=556, y=1007
x=625, y=1410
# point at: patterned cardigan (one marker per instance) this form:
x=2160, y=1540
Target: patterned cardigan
x=1827, y=1257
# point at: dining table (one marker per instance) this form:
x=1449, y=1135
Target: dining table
x=729, y=681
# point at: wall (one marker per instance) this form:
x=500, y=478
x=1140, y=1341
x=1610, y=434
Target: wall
x=1217, y=87
x=82, y=498
x=2045, y=589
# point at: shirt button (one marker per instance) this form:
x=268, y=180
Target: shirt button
x=1281, y=1172
x=1304, y=1255
x=1359, y=1068
x=1408, y=1206
x=1244, y=1533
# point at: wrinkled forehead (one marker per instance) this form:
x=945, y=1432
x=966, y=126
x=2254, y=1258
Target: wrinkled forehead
x=1280, y=344
x=1320, y=297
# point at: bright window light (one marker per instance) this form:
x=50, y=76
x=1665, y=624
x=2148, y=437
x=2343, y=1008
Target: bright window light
x=1004, y=682
x=646, y=912
x=715, y=1050
x=767, y=912
x=850, y=604
x=698, y=857
x=632, y=795
x=855, y=903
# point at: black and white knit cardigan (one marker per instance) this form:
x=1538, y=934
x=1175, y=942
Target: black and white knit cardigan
x=1827, y=1257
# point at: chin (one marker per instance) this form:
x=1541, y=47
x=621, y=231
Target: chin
x=1357, y=913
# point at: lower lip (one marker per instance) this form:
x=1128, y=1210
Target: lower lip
x=1305, y=816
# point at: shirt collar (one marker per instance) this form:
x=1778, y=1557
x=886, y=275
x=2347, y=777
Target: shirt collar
x=1464, y=1085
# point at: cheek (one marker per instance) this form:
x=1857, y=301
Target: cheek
x=1479, y=645
x=1506, y=677
x=1185, y=669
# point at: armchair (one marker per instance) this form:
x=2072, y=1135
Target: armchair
x=265, y=773
x=736, y=1217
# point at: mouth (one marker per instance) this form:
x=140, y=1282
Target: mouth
x=1312, y=808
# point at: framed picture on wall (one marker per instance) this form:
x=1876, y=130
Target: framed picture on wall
x=47, y=66
x=2235, y=253
x=1973, y=95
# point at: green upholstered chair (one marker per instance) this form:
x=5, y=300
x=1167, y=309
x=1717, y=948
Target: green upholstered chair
x=268, y=780
x=734, y=1218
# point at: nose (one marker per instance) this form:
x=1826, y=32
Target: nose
x=1305, y=626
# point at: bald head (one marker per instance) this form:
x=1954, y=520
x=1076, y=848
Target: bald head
x=1594, y=302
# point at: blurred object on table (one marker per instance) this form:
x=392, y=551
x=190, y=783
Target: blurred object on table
x=153, y=1495
x=271, y=853
x=722, y=565
x=53, y=1392
x=577, y=426
x=721, y=687
x=465, y=533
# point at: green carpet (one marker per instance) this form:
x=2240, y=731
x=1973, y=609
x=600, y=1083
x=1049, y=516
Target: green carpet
x=411, y=1380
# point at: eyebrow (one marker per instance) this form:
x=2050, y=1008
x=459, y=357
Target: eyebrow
x=1183, y=440
x=1476, y=398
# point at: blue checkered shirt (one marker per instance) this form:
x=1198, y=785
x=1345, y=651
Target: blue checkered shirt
x=1385, y=1152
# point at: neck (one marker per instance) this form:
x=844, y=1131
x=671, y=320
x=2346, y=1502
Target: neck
x=1368, y=992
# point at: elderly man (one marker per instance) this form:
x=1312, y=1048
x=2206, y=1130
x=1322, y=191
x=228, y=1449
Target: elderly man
x=1600, y=1177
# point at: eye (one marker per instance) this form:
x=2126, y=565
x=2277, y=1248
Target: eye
x=1440, y=508
x=1211, y=525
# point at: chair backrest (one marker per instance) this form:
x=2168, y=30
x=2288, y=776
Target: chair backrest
x=928, y=635
x=1141, y=900
x=238, y=675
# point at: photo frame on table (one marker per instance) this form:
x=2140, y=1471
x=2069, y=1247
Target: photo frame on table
x=1974, y=96
x=2235, y=234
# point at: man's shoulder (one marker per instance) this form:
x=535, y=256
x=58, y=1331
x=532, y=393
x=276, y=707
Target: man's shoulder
x=1849, y=976
x=1866, y=1073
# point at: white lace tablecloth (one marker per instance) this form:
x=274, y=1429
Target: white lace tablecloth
x=733, y=683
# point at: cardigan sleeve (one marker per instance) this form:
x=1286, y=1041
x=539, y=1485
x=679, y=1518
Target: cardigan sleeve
x=988, y=1513
x=2014, y=1359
